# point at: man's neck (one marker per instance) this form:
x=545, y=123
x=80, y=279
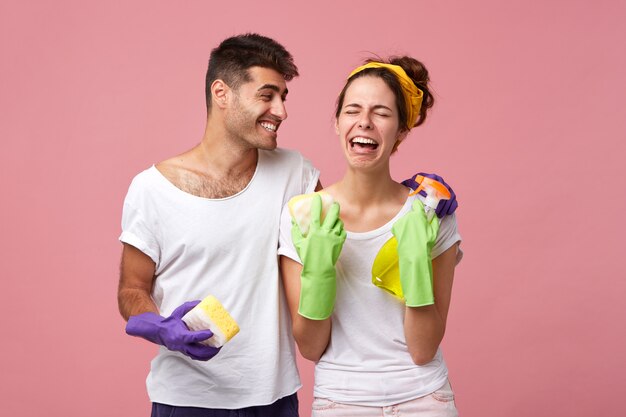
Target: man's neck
x=215, y=168
x=220, y=159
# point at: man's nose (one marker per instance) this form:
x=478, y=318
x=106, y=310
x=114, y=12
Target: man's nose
x=279, y=109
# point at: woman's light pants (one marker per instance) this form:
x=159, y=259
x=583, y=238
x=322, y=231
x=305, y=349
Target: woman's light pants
x=438, y=404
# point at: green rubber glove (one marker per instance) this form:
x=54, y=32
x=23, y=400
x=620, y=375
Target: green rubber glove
x=416, y=237
x=319, y=251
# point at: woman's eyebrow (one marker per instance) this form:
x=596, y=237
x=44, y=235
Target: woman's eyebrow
x=375, y=107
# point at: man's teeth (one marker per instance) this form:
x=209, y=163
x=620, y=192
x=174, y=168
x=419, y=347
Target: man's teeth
x=365, y=141
x=269, y=126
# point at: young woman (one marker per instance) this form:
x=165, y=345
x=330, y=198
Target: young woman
x=373, y=350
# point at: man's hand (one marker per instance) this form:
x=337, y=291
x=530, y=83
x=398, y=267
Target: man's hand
x=172, y=332
x=445, y=207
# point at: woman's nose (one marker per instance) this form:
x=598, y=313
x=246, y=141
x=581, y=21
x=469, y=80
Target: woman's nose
x=365, y=122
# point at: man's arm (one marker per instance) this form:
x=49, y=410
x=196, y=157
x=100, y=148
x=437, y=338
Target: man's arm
x=138, y=308
x=136, y=280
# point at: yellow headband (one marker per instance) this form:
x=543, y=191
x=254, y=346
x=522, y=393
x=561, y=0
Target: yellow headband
x=412, y=94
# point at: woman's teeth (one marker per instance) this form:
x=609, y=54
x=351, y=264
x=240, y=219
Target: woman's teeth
x=364, y=142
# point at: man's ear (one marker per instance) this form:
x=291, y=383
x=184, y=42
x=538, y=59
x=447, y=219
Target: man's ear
x=219, y=93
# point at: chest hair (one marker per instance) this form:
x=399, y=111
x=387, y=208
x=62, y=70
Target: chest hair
x=202, y=185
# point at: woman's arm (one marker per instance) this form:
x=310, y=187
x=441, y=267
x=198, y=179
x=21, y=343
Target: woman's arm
x=424, y=327
x=312, y=336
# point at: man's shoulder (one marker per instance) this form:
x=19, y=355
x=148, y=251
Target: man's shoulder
x=145, y=175
x=144, y=180
x=174, y=165
x=283, y=153
x=284, y=156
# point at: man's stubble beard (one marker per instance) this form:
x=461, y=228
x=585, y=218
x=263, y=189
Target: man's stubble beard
x=243, y=128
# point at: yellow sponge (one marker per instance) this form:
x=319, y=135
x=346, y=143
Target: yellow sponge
x=211, y=314
x=300, y=209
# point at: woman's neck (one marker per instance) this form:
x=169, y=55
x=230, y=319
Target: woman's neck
x=365, y=189
x=368, y=200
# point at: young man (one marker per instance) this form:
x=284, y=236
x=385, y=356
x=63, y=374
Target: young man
x=207, y=222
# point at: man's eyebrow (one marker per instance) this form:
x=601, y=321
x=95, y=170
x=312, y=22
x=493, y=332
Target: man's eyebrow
x=273, y=87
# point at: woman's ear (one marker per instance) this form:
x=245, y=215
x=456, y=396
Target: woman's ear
x=336, y=127
x=401, y=136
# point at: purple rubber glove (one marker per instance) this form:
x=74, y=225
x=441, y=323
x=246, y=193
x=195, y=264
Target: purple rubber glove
x=445, y=207
x=172, y=332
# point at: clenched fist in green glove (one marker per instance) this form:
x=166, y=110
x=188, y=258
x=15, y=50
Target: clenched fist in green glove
x=319, y=251
x=416, y=238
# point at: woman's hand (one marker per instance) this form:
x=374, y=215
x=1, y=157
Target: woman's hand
x=319, y=251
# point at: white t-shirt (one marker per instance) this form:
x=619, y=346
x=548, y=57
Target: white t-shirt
x=226, y=247
x=367, y=361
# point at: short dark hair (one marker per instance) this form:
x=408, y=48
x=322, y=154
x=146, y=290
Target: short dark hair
x=232, y=58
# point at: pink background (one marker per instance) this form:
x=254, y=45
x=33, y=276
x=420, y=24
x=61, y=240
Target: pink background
x=529, y=128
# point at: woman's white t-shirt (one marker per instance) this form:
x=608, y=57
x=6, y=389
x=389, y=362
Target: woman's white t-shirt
x=367, y=361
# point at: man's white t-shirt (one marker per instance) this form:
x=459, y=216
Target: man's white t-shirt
x=367, y=361
x=228, y=248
